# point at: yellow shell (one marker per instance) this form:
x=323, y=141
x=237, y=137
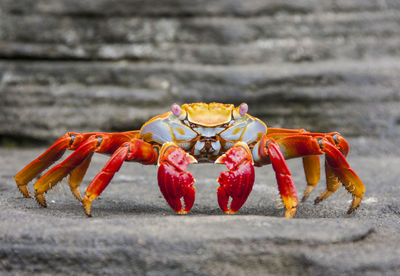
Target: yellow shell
x=209, y=115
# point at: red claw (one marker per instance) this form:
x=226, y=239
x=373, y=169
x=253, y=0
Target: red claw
x=173, y=181
x=236, y=183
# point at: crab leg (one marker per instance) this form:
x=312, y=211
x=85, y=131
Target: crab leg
x=70, y=141
x=301, y=145
x=236, y=183
x=101, y=142
x=135, y=150
x=76, y=177
x=312, y=169
x=41, y=163
x=173, y=181
x=345, y=174
x=332, y=183
x=311, y=163
x=284, y=178
x=59, y=171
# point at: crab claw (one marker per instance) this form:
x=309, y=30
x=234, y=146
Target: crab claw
x=173, y=181
x=236, y=183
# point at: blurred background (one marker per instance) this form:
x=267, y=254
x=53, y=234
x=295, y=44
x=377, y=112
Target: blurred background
x=107, y=65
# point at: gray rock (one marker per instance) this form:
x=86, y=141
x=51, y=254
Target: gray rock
x=217, y=40
x=182, y=8
x=134, y=231
x=43, y=100
x=111, y=65
x=106, y=65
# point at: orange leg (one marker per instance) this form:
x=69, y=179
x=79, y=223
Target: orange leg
x=41, y=163
x=135, y=150
x=332, y=183
x=271, y=153
x=76, y=164
x=303, y=145
x=76, y=177
x=312, y=169
x=311, y=163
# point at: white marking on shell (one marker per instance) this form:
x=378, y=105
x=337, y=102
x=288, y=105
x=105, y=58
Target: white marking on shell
x=159, y=130
x=208, y=131
x=187, y=135
x=256, y=155
x=253, y=130
x=228, y=134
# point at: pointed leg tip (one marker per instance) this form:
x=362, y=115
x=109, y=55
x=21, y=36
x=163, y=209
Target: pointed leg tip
x=41, y=199
x=77, y=194
x=307, y=192
x=354, y=204
x=290, y=213
x=87, y=204
x=24, y=190
x=350, y=211
x=323, y=196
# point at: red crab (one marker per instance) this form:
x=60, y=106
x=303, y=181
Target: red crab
x=192, y=133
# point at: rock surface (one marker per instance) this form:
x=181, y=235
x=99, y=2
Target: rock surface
x=133, y=231
x=110, y=65
x=106, y=65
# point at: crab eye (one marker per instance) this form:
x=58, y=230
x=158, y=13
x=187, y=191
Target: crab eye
x=243, y=108
x=225, y=125
x=192, y=125
x=176, y=109
x=240, y=111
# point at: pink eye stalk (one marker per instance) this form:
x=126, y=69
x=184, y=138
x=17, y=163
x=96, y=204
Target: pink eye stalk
x=243, y=108
x=176, y=109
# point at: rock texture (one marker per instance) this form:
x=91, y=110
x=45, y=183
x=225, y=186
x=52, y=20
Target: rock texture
x=110, y=65
x=133, y=230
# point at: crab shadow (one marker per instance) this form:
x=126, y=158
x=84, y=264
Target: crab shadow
x=107, y=209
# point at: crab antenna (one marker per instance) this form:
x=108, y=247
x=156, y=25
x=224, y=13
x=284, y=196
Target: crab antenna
x=176, y=109
x=243, y=108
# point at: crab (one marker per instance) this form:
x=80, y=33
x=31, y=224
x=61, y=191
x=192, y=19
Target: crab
x=195, y=133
